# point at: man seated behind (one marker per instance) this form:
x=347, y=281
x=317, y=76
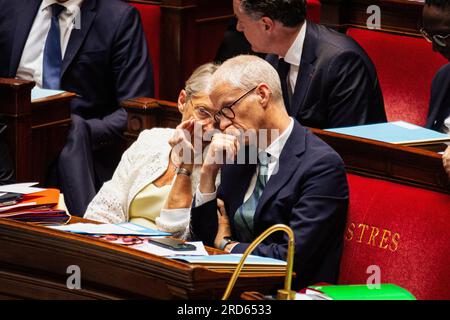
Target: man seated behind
x=298, y=180
x=327, y=79
x=436, y=29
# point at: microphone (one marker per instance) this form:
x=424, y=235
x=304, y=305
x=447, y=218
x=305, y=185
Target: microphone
x=283, y=294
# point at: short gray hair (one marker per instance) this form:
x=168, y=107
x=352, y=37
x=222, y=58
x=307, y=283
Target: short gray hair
x=246, y=72
x=200, y=80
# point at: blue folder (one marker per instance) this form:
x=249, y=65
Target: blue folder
x=397, y=132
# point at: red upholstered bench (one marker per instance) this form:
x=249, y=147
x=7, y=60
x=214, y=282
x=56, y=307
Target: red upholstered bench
x=151, y=21
x=313, y=10
x=405, y=67
x=404, y=230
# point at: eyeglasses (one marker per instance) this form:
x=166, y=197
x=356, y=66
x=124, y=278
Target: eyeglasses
x=201, y=112
x=437, y=38
x=227, y=111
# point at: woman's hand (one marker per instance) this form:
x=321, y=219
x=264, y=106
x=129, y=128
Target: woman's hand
x=224, y=229
x=182, y=148
x=446, y=161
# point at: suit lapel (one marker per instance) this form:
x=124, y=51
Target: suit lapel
x=307, y=69
x=288, y=164
x=78, y=35
x=27, y=12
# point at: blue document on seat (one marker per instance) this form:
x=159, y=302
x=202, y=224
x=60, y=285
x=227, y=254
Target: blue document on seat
x=397, y=132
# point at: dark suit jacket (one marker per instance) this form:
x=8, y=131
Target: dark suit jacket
x=337, y=84
x=106, y=62
x=309, y=193
x=440, y=100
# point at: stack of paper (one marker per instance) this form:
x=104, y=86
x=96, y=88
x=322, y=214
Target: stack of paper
x=36, y=205
x=229, y=262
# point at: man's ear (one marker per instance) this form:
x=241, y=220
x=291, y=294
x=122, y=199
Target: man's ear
x=268, y=24
x=264, y=94
x=182, y=101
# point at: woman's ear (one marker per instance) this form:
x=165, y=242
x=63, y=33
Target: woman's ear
x=182, y=101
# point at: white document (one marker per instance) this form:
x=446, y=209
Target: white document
x=17, y=206
x=160, y=251
x=23, y=188
x=125, y=229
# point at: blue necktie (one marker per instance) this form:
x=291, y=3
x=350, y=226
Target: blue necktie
x=51, y=78
x=244, y=215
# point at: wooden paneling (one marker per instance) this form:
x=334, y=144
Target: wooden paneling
x=191, y=33
x=398, y=16
x=36, y=131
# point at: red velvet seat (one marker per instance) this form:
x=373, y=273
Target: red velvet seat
x=405, y=67
x=313, y=10
x=151, y=21
x=404, y=230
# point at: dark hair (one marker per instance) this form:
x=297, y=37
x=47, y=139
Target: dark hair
x=291, y=13
x=440, y=3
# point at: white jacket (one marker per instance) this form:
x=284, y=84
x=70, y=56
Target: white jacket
x=145, y=161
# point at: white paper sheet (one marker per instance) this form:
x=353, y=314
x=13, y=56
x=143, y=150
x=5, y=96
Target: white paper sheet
x=160, y=251
x=106, y=228
x=23, y=188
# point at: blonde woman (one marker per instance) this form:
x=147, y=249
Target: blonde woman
x=150, y=186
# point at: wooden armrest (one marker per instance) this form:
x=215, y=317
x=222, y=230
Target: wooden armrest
x=144, y=103
x=16, y=83
x=146, y=113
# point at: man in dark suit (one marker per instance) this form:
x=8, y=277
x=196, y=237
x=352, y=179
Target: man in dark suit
x=6, y=166
x=94, y=48
x=292, y=177
x=436, y=29
x=327, y=79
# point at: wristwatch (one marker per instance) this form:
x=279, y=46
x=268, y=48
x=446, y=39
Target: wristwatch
x=224, y=242
x=184, y=171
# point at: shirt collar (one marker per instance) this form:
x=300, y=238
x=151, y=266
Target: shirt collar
x=275, y=148
x=72, y=6
x=294, y=54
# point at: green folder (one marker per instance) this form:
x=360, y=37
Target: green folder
x=364, y=292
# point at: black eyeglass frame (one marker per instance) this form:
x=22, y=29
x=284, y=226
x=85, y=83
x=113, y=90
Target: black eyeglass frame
x=231, y=115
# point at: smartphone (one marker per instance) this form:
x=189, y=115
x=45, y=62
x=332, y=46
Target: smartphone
x=9, y=198
x=172, y=244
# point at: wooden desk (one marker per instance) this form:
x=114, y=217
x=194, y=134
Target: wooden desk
x=36, y=130
x=407, y=165
x=35, y=259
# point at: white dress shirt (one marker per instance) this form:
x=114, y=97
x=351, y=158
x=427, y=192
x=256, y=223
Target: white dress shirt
x=294, y=57
x=31, y=62
x=447, y=125
x=274, y=149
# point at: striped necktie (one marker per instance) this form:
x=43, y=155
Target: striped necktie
x=243, y=219
x=51, y=77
